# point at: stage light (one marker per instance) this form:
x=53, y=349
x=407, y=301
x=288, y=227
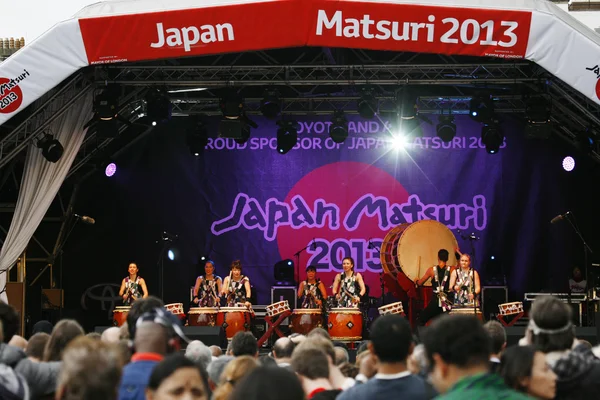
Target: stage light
x=52, y=150
x=106, y=105
x=204, y=258
x=537, y=115
x=171, y=254
x=492, y=137
x=232, y=105
x=399, y=141
x=338, y=130
x=568, y=163
x=481, y=108
x=158, y=107
x=287, y=136
x=446, y=128
x=270, y=106
x=110, y=169
x=367, y=104
x=283, y=272
x=492, y=258
x=406, y=102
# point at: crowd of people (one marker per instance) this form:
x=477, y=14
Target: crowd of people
x=149, y=357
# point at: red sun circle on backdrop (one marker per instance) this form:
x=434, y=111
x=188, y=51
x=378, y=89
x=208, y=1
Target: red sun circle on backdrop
x=342, y=184
x=10, y=99
x=598, y=88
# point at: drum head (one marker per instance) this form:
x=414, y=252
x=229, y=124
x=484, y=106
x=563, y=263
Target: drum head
x=389, y=249
x=419, y=244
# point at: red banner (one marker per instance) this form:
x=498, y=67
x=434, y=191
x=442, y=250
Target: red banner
x=293, y=23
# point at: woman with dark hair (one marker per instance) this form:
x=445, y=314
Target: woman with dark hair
x=178, y=376
x=133, y=287
x=236, y=287
x=62, y=334
x=348, y=287
x=269, y=383
x=208, y=287
x=525, y=369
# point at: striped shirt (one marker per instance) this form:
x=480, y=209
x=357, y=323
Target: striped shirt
x=482, y=387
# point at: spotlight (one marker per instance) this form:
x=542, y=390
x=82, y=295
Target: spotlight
x=338, y=130
x=287, y=136
x=481, y=108
x=407, y=104
x=367, y=104
x=158, y=107
x=52, y=150
x=568, y=163
x=537, y=115
x=204, y=258
x=492, y=137
x=446, y=128
x=197, y=138
x=270, y=105
x=106, y=105
x=399, y=141
x=232, y=105
x=110, y=169
x=171, y=254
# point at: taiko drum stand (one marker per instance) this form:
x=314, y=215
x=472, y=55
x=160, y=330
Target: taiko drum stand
x=273, y=326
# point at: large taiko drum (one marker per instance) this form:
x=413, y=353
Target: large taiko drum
x=389, y=249
x=304, y=320
x=120, y=315
x=234, y=320
x=345, y=324
x=202, y=316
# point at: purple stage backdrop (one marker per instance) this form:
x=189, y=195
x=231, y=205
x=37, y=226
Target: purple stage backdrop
x=250, y=203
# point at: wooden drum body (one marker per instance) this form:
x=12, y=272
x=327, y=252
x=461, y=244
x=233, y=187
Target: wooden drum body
x=345, y=324
x=203, y=316
x=120, y=315
x=304, y=320
x=467, y=311
x=234, y=320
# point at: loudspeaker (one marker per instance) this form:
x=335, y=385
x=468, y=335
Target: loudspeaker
x=283, y=272
x=209, y=335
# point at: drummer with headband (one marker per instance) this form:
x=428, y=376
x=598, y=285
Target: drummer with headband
x=312, y=290
x=236, y=287
x=440, y=276
x=348, y=287
x=133, y=287
x=208, y=287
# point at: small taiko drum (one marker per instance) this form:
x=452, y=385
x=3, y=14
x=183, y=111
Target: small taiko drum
x=278, y=308
x=176, y=309
x=304, y=320
x=467, y=310
x=345, y=324
x=234, y=320
x=120, y=315
x=511, y=308
x=394, y=308
x=202, y=316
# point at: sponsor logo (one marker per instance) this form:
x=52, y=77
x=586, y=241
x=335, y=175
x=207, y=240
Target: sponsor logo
x=11, y=95
x=191, y=35
x=596, y=71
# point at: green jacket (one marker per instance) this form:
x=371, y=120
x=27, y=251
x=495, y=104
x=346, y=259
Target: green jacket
x=482, y=387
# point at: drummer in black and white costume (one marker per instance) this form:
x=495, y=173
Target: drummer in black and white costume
x=440, y=281
x=348, y=287
x=208, y=287
x=236, y=287
x=311, y=291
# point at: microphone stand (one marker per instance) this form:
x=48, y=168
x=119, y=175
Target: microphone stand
x=373, y=246
x=297, y=265
x=586, y=249
x=165, y=240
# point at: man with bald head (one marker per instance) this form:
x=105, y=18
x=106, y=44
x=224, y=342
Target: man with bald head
x=111, y=335
x=282, y=352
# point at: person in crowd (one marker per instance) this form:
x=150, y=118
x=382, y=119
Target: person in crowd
x=42, y=326
x=215, y=370
x=551, y=331
x=298, y=338
x=12, y=385
x=18, y=341
x=367, y=367
x=208, y=287
x=94, y=335
x=458, y=350
x=199, y=353
x=498, y=336
x=91, y=370
x=40, y=376
x=349, y=370
x=417, y=362
x=577, y=282
x=525, y=369
x=178, y=377
x=133, y=287
x=156, y=335
x=36, y=345
x=111, y=335
x=341, y=355
x=319, y=332
x=216, y=351
x=236, y=287
x=465, y=283
x=282, y=351
x=63, y=332
x=233, y=373
x=244, y=344
x=440, y=276
x=348, y=287
x=268, y=383
x=391, y=344
x=337, y=379
x=138, y=308
x=267, y=361
x=311, y=291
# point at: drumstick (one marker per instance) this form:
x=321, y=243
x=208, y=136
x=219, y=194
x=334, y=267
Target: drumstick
x=419, y=268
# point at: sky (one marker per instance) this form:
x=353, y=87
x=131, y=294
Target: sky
x=41, y=15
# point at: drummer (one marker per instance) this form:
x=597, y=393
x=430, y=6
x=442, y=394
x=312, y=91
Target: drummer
x=208, y=287
x=236, y=287
x=464, y=281
x=312, y=290
x=133, y=287
x=439, y=275
x=348, y=287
